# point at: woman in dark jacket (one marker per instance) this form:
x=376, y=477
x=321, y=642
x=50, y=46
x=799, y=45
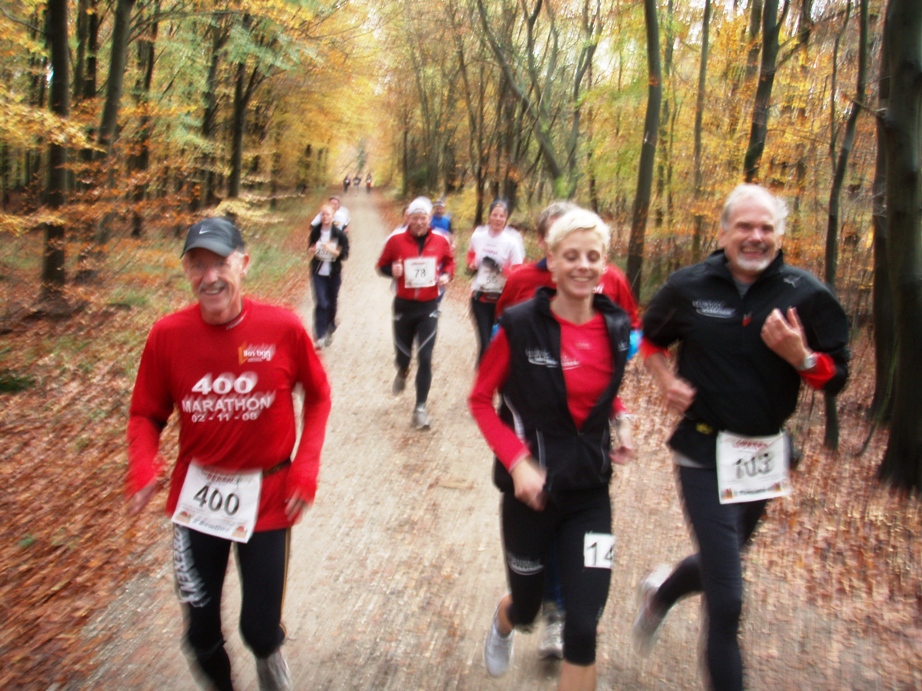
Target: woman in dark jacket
x=557, y=360
x=328, y=247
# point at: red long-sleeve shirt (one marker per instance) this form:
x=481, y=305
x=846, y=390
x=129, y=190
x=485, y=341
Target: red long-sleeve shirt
x=231, y=386
x=585, y=374
x=403, y=246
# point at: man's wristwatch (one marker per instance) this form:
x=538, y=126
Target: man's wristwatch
x=809, y=362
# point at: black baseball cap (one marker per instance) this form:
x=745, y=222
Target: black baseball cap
x=215, y=234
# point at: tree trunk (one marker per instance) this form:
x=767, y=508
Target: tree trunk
x=85, y=71
x=831, y=440
x=139, y=159
x=882, y=294
x=51, y=294
x=699, y=118
x=91, y=257
x=238, y=123
x=759, y=129
x=114, y=86
x=664, y=162
x=902, y=462
x=647, y=152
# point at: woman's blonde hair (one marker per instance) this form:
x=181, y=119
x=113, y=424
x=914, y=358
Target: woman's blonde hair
x=577, y=219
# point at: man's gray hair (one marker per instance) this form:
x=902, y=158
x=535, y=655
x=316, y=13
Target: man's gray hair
x=748, y=191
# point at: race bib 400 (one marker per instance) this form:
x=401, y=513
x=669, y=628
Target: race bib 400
x=219, y=503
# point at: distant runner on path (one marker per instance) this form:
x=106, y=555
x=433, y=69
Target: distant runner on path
x=229, y=365
x=328, y=248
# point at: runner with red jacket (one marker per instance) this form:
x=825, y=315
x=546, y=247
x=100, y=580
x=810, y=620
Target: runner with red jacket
x=229, y=365
x=420, y=261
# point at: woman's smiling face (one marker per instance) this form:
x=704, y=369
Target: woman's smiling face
x=577, y=263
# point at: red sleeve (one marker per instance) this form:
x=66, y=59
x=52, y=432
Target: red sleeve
x=504, y=301
x=821, y=373
x=469, y=257
x=648, y=348
x=151, y=407
x=305, y=465
x=510, y=294
x=449, y=266
x=492, y=373
x=619, y=290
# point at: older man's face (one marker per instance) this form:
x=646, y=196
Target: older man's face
x=418, y=224
x=750, y=242
x=217, y=282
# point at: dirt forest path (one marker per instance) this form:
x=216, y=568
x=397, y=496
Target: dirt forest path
x=396, y=569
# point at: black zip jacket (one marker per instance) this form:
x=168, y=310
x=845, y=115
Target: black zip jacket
x=535, y=397
x=742, y=386
x=336, y=233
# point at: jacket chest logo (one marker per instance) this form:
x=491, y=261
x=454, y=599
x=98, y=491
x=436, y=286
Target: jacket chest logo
x=714, y=308
x=541, y=357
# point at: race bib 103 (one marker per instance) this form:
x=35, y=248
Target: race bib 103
x=751, y=468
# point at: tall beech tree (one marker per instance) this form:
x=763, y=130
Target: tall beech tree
x=902, y=121
x=759, y=128
x=139, y=155
x=51, y=296
x=882, y=302
x=533, y=86
x=835, y=195
x=698, y=171
x=647, y=151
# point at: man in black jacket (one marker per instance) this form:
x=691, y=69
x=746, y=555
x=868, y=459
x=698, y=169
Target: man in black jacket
x=750, y=329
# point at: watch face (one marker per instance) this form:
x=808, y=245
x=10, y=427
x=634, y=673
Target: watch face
x=808, y=363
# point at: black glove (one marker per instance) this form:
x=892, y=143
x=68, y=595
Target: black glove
x=490, y=263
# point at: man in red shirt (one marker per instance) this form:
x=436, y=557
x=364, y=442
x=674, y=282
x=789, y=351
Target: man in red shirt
x=229, y=366
x=421, y=262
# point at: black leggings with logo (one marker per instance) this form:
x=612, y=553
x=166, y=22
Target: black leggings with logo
x=527, y=537
x=417, y=321
x=200, y=564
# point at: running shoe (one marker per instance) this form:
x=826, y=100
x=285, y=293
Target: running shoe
x=328, y=339
x=400, y=382
x=551, y=645
x=497, y=650
x=273, y=673
x=649, y=618
x=420, y=417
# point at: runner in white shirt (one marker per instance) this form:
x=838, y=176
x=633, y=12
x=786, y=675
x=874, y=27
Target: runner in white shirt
x=494, y=249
